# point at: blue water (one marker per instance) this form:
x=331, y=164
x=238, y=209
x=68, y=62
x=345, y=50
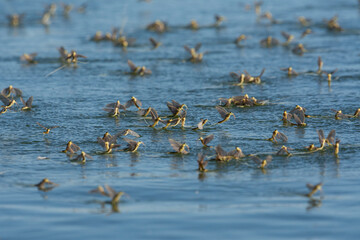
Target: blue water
x=166, y=196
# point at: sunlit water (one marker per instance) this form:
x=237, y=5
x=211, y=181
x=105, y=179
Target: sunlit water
x=167, y=198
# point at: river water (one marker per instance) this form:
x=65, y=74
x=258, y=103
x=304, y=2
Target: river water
x=167, y=198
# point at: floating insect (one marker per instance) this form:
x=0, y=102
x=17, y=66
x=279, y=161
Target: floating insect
x=132, y=145
x=224, y=114
x=195, y=56
x=201, y=124
x=133, y=101
x=82, y=157
x=181, y=148
x=29, y=58
x=269, y=42
x=290, y=71
x=71, y=148
x=47, y=129
x=154, y=43
x=45, y=185
x=278, y=137
x=11, y=92
x=111, y=193
x=205, y=141
x=260, y=162
x=27, y=104
x=202, y=164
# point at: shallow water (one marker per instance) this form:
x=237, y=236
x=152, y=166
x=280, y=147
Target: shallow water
x=167, y=196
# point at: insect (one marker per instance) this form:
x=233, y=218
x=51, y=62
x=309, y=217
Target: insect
x=29, y=58
x=240, y=39
x=45, y=185
x=202, y=164
x=111, y=193
x=11, y=91
x=27, y=104
x=333, y=24
x=278, y=136
x=82, y=157
x=205, y=141
x=288, y=37
x=15, y=19
x=304, y=21
x=201, y=124
x=224, y=114
x=221, y=155
x=340, y=115
x=158, y=26
x=306, y=32
x=260, y=162
x=239, y=77
x=181, y=148
x=337, y=147
x=47, y=129
x=108, y=146
x=114, y=108
x=284, y=151
x=137, y=70
x=195, y=56
x=269, y=42
x=8, y=103
x=155, y=118
x=299, y=49
x=193, y=25
x=290, y=71
x=71, y=148
x=133, y=101
x=154, y=43
x=251, y=79
x=132, y=145
x=175, y=107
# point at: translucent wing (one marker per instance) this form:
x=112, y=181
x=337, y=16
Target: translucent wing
x=172, y=108
x=321, y=136
x=131, y=65
x=41, y=125
x=256, y=159
x=175, y=145
x=100, y=190
x=262, y=72
x=74, y=147
x=22, y=100
x=285, y=35
x=310, y=186
x=131, y=142
x=297, y=119
x=5, y=100
x=176, y=104
x=281, y=137
x=331, y=137
x=197, y=47
x=110, y=191
x=268, y=159
x=129, y=103
x=153, y=42
x=220, y=151
x=221, y=111
x=101, y=142
x=208, y=139
x=132, y=133
x=29, y=101
x=234, y=75
x=187, y=49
